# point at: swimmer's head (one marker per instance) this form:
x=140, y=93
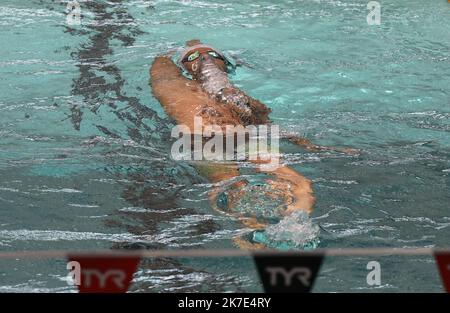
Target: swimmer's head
x=197, y=54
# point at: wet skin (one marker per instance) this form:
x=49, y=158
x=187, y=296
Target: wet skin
x=210, y=95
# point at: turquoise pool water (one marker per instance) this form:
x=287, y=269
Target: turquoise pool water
x=84, y=146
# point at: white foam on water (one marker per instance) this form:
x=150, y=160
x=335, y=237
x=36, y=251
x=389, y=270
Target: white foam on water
x=296, y=230
x=64, y=190
x=77, y=205
x=56, y=235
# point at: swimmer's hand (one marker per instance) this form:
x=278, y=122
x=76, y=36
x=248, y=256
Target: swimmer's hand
x=308, y=145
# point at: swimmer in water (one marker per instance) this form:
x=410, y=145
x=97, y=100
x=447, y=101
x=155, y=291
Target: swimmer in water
x=211, y=95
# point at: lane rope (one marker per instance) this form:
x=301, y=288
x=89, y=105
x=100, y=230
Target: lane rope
x=223, y=253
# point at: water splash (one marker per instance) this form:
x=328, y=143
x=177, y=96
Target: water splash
x=296, y=231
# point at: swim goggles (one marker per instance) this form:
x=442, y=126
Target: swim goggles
x=195, y=55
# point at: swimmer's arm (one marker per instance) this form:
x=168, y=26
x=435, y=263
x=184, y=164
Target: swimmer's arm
x=300, y=187
x=308, y=145
x=164, y=69
x=240, y=62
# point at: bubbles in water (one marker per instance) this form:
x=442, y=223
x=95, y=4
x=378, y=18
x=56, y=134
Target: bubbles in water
x=295, y=231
